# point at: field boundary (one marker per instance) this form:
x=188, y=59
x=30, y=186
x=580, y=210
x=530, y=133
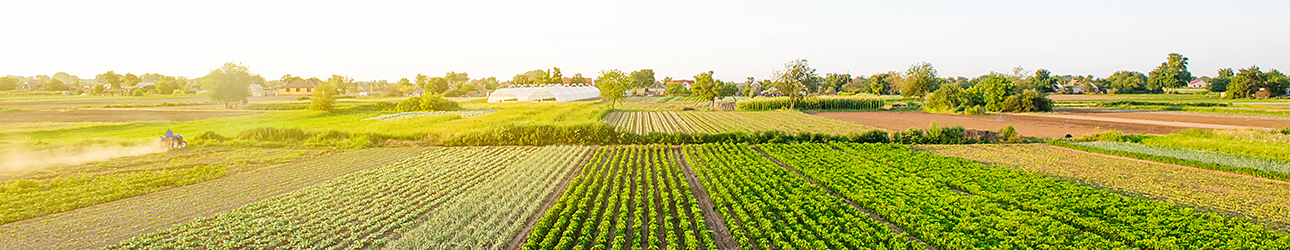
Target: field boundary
x=894, y=228
x=721, y=234
x=1173, y=165
x=523, y=236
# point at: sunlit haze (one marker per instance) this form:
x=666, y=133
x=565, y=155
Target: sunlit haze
x=370, y=40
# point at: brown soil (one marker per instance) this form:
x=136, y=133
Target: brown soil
x=1228, y=121
x=114, y=115
x=1026, y=125
x=712, y=219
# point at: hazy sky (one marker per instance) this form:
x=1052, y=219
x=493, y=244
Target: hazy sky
x=395, y=39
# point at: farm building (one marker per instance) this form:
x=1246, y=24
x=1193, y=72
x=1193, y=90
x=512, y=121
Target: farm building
x=1198, y=84
x=298, y=88
x=546, y=93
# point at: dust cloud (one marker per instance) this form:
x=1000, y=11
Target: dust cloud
x=22, y=160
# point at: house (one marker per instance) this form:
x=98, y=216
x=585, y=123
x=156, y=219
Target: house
x=682, y=82
x=298, y=88
x=1198, y=84
x=658, y=88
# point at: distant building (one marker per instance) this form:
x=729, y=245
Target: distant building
x=298, y=88
x=686, y=83
x=258, y=90
x=1198, y=84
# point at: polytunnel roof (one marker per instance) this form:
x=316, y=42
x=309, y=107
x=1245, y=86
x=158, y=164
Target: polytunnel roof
x=559, y=93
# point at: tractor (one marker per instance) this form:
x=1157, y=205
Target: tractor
x=173, y=141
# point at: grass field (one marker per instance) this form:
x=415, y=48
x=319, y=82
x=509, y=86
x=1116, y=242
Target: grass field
x=719, y=122
x=1258, y=200
x=1268, y=144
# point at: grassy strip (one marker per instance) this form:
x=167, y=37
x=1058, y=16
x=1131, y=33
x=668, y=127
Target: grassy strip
x=1176, y=161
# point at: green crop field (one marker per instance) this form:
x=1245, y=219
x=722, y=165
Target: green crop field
x=718, y=122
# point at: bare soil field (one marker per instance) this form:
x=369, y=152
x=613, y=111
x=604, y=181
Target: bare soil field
x=118, y=115
x=1153, y=116
x=1026, y=125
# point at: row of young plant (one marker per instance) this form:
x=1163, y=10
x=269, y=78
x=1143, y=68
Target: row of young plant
x=21, y=199
x=493, y=212
x=768, y=207
x=1231, y=163
x=928, y=209
x=627, y=198
x=603, y=134
x=359, y=210
x=760, y=104
x=1126, y=221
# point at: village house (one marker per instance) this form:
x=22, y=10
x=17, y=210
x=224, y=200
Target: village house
x=298, y=88
x=1198, y=84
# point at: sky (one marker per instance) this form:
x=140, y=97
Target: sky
x=371, y=40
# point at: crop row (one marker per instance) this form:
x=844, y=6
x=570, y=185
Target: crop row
x=928, y=209
x=108, y=223
x=1133, y=222
x=1226, y=159
x=24, y=198
x=363, y=209
x=720, y=122
x=768, y=207
x=627, y=198
x=1267, y=144
x=1239, y=196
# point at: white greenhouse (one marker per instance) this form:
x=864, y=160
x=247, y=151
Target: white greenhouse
x=544, y=94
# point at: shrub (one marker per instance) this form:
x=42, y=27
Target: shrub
x=209, y=135
x=411, y=104
x=273, y=134
x=137, y=92
x=1028, y=101
x=1009, y=134
x=810, y=103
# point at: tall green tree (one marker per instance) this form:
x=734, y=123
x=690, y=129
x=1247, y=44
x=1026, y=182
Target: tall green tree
x=168, y=84
x=613, y=84
x=578, y=79
x=112, y=79
x=833, y=83
x=878, y=84
x=1170, y=74
x=642, y=78
x=1246, y=83
x=1042, y=81
x=324, y=97
x=8, y=83
x=1277, y=82
x=705, y=87
x=994, y=89
x=229, y=83
x=54, y=85
x=794, y=79
x=1127, y=82
x=1219, y=84
x=919, y=80
x=130, y=80
x=436, y=85
x=555, y=77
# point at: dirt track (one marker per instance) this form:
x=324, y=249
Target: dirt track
x=1026, y=125
x=117, y=115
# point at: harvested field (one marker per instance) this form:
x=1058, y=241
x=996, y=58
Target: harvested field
x=1147, y=116
x=1026, y=125
x=118, y=115
x=100, y=225
x=719, y=122
x=1262, y=201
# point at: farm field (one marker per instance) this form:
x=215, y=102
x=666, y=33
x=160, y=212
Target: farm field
x=1262, y=201
x=119, y=115
x=104, y=224
x=1267, y=144
x=427, y=201
x=1226, y=159
x=1025, y=125
x=720, y=122
x=628, y=198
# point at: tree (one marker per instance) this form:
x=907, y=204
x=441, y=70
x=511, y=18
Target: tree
x=229, y=83
x=8, y=83
x=1246, y=83
x=612, y=84
x=168, y=84
x=288, y=78
x=1277, y=82
x=521, y=81
x=1219, y=84
x=578, y=79
x=919, y=80
x=728, y=89
x=1042, y=81
x=994, y=89
x=436, y=85
x=54, y=85
x=1170, y=74
x=554, y=76
x=833, y=83
x=794, y=79
x=406, y=87
x=1125, y=82
x=324, y=96
x=878, y=84
x=705, y=88
x=642, y=78
x=130, y=80
x=676, y=89
x=112, y=79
